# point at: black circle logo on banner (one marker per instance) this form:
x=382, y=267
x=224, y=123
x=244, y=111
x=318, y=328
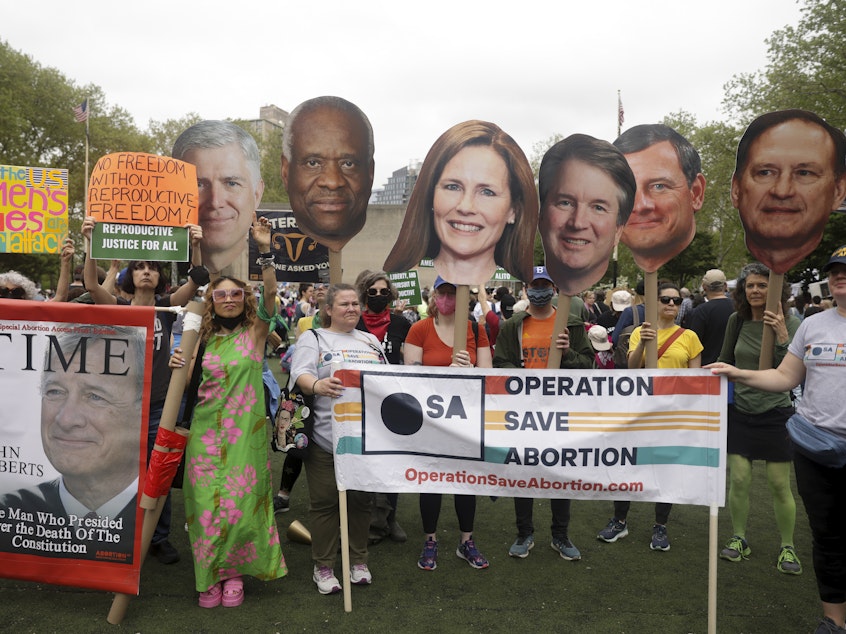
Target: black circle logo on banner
x=402, y=414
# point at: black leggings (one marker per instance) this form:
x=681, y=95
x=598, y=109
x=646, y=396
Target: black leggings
x=430, y=510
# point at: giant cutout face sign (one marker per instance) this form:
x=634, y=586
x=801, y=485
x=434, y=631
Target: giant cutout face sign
x=670, y=190
x=788, y=178
x=474, y=207
x=229, y=184
x=586, y=195
x=327, y=168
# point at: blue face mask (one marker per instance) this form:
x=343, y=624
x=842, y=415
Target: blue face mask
x=540, y=296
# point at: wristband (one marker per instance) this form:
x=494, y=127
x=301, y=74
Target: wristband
x=199, y=275
x=267, y=255
x=314, y=385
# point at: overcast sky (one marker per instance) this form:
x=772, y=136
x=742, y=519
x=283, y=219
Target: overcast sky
x=534, y=68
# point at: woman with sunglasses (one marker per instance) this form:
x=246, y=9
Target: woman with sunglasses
x=228, y=496
x=376, y=294
x=677, y=348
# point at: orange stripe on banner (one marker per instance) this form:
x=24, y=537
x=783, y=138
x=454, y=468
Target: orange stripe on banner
x=350, y=378
x=342, y=409
x=669, y=385
x=495, y=384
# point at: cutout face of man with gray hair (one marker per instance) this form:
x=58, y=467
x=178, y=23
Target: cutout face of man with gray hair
x=327, y=169
x=670, y=190
x=230, y=187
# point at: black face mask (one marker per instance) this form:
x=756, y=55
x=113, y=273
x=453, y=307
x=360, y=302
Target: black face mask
x=378, y=303
x=230, y=323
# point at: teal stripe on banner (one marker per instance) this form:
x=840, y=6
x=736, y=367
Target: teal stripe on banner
x=349, y=444
x=496, y=454
x=693, y=456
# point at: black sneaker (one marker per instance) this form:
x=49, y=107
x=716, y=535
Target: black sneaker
x=281, y=505
x=164, y=552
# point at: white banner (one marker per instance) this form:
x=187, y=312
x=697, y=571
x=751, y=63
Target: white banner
x=646, y=435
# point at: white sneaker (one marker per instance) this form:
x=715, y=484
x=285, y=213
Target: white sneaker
x=360, y=575
x=327, y=582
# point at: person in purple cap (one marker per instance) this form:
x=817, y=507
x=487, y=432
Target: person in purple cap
x=524, y=342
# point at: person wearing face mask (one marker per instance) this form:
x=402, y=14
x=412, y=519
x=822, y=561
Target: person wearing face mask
x=524, y=342
x=376, y=293
x=430, y=342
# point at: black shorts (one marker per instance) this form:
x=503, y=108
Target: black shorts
x=760, y=436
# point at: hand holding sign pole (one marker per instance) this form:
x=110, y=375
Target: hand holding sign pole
x=789, y=176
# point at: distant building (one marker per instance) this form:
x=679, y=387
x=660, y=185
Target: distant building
x=397, y=190
x=272, y=120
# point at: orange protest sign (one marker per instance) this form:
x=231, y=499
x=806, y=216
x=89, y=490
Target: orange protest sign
x=143, y=189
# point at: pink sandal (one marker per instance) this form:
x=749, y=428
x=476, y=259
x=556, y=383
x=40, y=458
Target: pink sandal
x=211, y=598
x=233, y=592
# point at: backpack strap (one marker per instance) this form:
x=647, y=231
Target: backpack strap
x=670, y=340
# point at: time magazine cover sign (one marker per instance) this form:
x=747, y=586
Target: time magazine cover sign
x=75, y=388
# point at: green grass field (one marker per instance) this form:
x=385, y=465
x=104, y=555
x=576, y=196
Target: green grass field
x=616, y=588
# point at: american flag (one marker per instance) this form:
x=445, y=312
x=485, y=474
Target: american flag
x=80, y=112
x=621, y=115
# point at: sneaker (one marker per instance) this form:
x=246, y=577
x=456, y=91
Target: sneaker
x=660, y=541
x=429, y=557
x=164, y=552
x=327, y=582
x=566, y=549
x=521, y=546
x=827, y=626
x=360, y=575
x=469, y=553
x=614, y=531
x=736, y=549
x=281, y=505
x=788, y=562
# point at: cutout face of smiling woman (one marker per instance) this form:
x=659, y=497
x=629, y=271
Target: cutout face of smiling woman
x=472, y=205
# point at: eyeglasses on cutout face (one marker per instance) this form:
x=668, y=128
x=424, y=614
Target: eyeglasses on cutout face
x=373, y=292
x=666, y=300
x=12, y=293
x=222, y=294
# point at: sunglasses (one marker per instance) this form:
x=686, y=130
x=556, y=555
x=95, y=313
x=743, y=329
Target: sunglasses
x=666, y=300
x=373, y=292
x=222, y=294
x=320, y=287
x=12, y=293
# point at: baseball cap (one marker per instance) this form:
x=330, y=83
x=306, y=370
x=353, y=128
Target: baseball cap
x=838, y=257
x=506, y=305
x=598, y=336
x=713, y=279
x=539, y=273
x=439, y=281
x=621, y=300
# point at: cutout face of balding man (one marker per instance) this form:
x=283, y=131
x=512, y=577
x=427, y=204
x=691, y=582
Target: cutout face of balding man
x=329, y=176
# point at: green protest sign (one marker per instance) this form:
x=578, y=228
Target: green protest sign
x=113, y=241
x=408, y=286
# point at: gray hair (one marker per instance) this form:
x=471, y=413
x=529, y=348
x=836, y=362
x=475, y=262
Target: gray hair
x=17, y=279
x=214, y=134
x=134, y=335
x=338, y=103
